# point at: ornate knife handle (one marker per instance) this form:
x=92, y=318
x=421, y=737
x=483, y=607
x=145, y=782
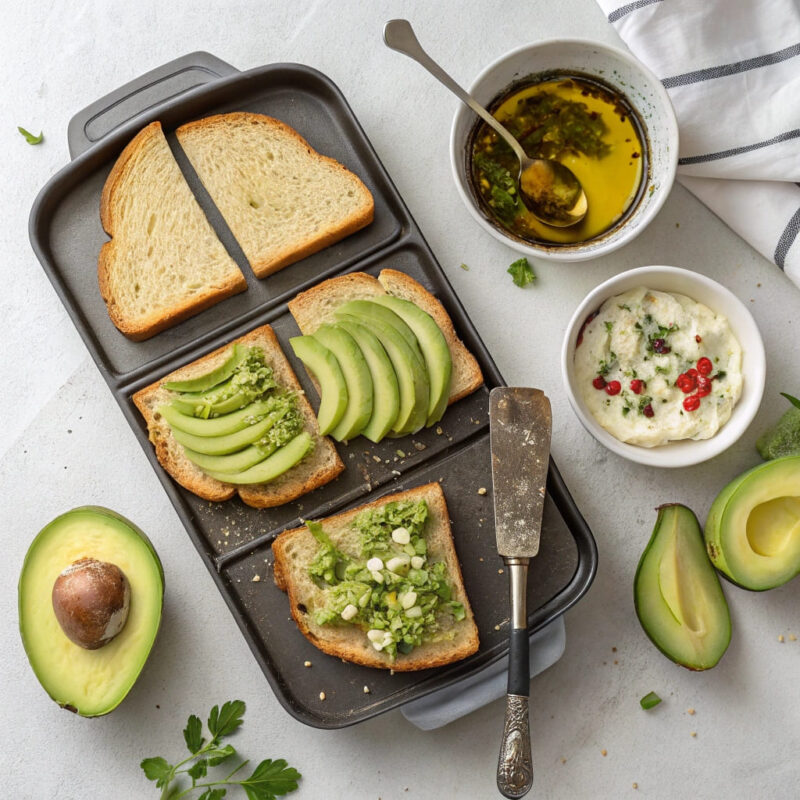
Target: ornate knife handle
x=515, y=766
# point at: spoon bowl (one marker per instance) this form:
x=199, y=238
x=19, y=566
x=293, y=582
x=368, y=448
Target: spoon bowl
x=549, y=190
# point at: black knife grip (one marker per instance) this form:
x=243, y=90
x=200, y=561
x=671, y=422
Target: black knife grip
x=519, y=679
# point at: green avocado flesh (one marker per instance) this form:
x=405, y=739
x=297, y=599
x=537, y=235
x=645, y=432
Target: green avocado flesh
x=405, y=606
x=370, y=312
x=323, y=365
x=783, y=439
x=282, y=460
x=434, y=350
x=216, y=376
x=753, y=528
x=386, y=394
x=677, y=594
x=412, y=378
x=89, y=682
x=231, y=427
x=357, y=378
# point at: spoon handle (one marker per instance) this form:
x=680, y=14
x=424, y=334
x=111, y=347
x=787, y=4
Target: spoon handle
x=399, y=35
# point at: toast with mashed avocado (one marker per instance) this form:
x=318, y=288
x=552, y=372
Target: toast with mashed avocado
x=237, y=420
x=380, y=585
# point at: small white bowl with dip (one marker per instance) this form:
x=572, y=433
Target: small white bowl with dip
x=608, y=65
x=672, y=280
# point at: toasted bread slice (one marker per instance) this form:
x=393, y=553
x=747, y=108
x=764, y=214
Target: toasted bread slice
x=294, y=550
x=317, y=469
x=316, y=307
x=164, y=262
x=281, y=199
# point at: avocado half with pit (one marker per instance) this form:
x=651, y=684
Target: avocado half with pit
x=753, y=528
x=677, y=593
x=70, y=575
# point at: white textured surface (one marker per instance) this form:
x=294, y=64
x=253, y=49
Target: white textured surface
x=57, y=58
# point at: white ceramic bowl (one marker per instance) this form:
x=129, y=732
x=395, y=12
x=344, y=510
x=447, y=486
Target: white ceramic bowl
x=612, y=66
x=717, y=298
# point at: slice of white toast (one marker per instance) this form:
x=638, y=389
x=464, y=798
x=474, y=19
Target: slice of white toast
x=164, y=262
x=317, y=469
x=294, y=550
x=317, y=305
x=281, y=199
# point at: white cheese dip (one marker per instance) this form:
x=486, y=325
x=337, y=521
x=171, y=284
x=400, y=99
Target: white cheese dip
x=654, y=368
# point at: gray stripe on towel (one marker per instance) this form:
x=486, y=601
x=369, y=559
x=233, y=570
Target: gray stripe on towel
x=787, y=239
x=625, y=10
x=732, y=69
x=735, y=151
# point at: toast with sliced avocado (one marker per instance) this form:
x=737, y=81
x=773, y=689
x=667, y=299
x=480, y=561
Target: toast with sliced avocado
x=237, y=420
x=395, y=345
x=380, y=585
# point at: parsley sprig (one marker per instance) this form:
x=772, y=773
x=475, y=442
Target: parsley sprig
x=269, y=780
x=521, y=272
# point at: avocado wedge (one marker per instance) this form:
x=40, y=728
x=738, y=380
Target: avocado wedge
x=434, y=348
x=270, y=468
x=677, y=594
x=753, y=528
x=213, y=403
x=357, y=377
x=219, y=426
x=385, y=391
x=90, y=682
x=332, y=387
x=230, y=443
x=235, y=462
x=369, y=312
x=412, y=377
x=210, y=379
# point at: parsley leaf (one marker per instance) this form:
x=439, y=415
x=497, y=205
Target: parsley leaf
x=193, y=734
x=157, y=769
x=270, y=779
x=521, y=272
x=212, y=794
x=198, y=770
x=30, y=138
x=224, y=722
x=793, y=400
x=609, y=326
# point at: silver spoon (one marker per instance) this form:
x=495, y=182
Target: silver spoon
x=549, y=190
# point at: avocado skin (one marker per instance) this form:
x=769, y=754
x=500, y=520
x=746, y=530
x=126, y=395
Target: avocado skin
x=100, y=511
x=716, y=528
x=642, y=586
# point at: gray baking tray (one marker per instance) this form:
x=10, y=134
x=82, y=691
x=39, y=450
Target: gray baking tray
x=233, y=539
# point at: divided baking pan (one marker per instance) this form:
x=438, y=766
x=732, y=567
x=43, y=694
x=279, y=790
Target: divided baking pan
x=233, y=539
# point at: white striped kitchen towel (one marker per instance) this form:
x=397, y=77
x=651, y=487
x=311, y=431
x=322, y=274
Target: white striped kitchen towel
x=732, y=70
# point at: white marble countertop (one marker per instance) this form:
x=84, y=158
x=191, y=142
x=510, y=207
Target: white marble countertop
x=65, y=443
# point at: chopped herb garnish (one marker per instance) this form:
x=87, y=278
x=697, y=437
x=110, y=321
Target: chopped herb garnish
x=650, y=700
x=722, y=374
x=521, y=272
x=465, y=267
x=644, y=402
x=662, y=370
x=609, y=326
x=626, y=410
x=624, y=307
x=30, y=138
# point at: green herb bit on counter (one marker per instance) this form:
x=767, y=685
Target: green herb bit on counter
x=269, y=780
x=650, y=700
x=31, y=138
x=521, y=272
x=464, y=267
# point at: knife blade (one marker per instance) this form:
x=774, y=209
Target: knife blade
x=520, y=426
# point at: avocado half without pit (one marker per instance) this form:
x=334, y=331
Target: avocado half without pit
x=677, y=594
x=90, y=599
x=753, y=528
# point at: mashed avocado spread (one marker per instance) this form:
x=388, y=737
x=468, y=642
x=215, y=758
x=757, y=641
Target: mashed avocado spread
x=390, y=589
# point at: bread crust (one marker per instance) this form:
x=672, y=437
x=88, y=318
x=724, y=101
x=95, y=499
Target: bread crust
x=289, y=255
x=316, y=306
x=348, y=642
x=144, y=327
x=321, y=467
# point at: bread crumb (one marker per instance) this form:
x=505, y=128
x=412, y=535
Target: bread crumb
x=500, y=571
x=376, y=459
x=482, y=490
x=563, y=760
x=615, y=661
x=255, y=578
x=322, y=695
x=481, y=558
x=366, y=690
x=635, y=785
x=497, y=627
x=693, y=734
x=792, y=637
x=780, y=638
x=439, y=430
x=604, y=753
x=690, y=711
x=306, y=663
x=613, y=649
x=419, y=446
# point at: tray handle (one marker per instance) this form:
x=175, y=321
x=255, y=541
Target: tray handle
x=169, y=80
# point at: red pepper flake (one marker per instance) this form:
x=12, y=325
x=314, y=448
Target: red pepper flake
x=698, y=338
x=613, y=387
x=599, y=382
x=704, y=366
x=691, y=403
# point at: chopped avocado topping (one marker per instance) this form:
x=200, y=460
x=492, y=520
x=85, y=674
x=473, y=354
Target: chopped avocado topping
x=650, y=700
x=390, y=590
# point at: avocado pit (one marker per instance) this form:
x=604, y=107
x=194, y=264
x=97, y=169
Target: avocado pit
x=91, y=601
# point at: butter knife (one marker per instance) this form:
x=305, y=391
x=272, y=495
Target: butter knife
x=520, y=425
